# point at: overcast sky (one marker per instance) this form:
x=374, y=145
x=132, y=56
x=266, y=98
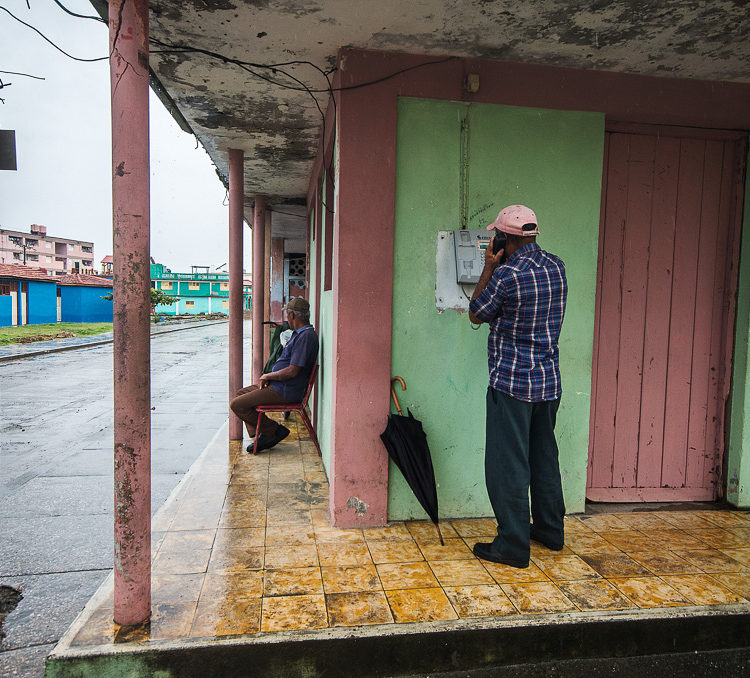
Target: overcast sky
x=63, y=146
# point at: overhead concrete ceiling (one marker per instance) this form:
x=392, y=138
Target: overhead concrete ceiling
x=278, y=127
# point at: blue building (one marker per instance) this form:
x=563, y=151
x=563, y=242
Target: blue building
x=28, y=296
x=81, y=298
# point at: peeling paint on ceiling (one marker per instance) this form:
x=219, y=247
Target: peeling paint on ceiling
x=279, y=128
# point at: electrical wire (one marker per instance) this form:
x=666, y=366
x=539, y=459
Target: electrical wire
x=59, y=49
x=289, y=214
x=252, y=68
x=80, y=16
x=186, y=49
x=461, y=285
x=26, y=75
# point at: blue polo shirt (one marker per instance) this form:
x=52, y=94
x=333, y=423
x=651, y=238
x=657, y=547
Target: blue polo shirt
x=301, y=350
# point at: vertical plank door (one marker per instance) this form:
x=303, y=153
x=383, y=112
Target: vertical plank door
x=665, y=312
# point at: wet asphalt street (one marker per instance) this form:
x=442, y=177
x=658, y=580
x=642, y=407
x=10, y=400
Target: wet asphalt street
x=56, y=471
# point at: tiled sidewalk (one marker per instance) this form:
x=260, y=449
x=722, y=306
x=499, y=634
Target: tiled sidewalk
x=246, y=546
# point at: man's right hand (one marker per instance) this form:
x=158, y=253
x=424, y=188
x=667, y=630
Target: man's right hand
x=492, y=261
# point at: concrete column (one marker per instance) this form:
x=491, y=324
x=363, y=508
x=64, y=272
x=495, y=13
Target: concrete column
x=319, y=268
x=308, y=235
x=236, y=210
x=277, y=279
x=259, y=256
x=361, y=344
x=267, y=288
x=128, y=30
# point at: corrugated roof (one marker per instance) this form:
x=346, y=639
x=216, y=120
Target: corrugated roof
x=25, y=273
x=84, y=279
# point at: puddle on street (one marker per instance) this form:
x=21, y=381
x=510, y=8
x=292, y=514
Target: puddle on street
x=9, y=599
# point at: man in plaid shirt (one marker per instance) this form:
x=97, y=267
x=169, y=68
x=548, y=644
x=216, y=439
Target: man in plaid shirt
x=523, y=300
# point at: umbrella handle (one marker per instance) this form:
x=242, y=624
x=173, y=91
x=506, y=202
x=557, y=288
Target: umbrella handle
x=393, y=391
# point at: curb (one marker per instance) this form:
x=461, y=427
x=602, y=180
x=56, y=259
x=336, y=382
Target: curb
x=92, y=344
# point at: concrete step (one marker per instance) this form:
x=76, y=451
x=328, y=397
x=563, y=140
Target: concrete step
x=641, y=643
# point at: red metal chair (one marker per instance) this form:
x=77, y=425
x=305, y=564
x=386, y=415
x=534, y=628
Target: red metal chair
x=292, y=407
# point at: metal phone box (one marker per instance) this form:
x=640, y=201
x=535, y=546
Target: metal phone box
x=469, y=246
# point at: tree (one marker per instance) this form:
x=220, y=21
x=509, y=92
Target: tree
x=157, y=297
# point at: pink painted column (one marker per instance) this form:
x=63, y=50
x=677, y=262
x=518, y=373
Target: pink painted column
x=259, y=255
x=277, y=279
x=128, y=30
x=236, y=210
x=266, y=289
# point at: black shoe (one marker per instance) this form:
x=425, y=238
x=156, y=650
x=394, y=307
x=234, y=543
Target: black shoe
x=267, y=442
x=263, y=441
x=281, y=433
x=551, y=547
x=484, y=552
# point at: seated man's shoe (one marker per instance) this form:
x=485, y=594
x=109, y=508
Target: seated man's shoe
x=484, y=551
x=267, y=442
x=281, y=433
x=263, y=441
x=551, y=546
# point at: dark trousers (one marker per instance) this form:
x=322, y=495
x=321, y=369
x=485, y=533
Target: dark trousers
x=521, y=453
x=244, y=403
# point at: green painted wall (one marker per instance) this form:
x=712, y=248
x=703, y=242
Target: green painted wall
x=549, y=160
x=325, y=384
x=313, y=268
x=738, y=462
x=325, y=334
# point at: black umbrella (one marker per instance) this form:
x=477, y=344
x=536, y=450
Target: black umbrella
x=406, y=443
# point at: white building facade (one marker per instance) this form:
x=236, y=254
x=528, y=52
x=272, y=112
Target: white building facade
x=56, y=256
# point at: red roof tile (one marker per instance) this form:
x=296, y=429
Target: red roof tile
x=25, y=273
x=84, y=279
x=108, y=259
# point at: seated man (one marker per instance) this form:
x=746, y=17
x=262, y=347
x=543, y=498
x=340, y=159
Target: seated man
x=287, y=381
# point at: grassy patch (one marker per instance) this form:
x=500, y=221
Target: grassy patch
x=27, y=333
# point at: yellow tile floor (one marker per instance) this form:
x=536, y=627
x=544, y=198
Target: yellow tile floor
x=245, y=546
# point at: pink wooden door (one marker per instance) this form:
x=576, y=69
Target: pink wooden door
x=665, y=313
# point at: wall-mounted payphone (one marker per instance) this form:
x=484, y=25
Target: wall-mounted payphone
x=469, y=246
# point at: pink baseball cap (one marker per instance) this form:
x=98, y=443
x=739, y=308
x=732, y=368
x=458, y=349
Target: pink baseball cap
x=513, y=218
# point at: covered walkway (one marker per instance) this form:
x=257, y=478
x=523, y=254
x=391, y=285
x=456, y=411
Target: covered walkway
x=244, y=551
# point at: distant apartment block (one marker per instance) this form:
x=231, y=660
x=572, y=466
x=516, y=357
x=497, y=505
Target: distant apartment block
x=37, y=250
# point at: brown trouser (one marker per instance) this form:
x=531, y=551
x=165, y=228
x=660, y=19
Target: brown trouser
x=245, y=402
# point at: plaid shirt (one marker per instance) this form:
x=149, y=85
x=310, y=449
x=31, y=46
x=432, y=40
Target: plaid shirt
x=524, y=304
